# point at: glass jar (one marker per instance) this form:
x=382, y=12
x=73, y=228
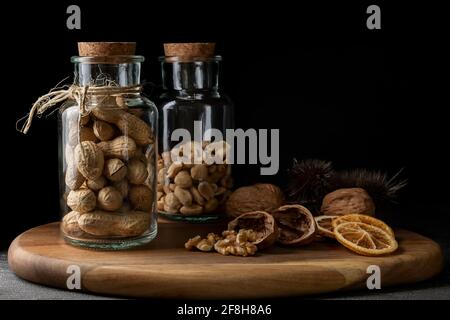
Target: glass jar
x=193, y=188
x=108, y=149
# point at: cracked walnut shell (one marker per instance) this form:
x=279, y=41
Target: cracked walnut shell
x=296, y=223
x=261, y=223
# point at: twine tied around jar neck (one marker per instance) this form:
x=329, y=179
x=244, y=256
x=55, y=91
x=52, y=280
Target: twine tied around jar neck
x=80, y=94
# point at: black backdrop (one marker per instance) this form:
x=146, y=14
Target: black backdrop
x=336, y=90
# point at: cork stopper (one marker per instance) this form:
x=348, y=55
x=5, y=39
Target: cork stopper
x=199, y=49
x=103, y=49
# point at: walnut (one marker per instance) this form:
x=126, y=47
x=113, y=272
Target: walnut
x=213, y=237
x=229, y=234
x=264, y=230
x=348, y=201
x=205, y=245
x=258, y=197
x=191, y=243
x=296, y=224
x=242, y=236
x=246, y=236
x=227, y=247
x=237, y=244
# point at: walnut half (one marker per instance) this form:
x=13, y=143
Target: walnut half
x=296, y=223
x=264, y=230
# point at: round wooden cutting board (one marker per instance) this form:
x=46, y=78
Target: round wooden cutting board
x=164, y=269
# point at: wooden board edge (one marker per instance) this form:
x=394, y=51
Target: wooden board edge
x=50, y=272
x=44, y=270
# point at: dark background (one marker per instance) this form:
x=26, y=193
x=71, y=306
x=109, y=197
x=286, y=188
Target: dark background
x=336, y=90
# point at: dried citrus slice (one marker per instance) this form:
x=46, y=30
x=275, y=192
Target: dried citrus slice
x=364, y=238
x=364, y=219
x=324, y=225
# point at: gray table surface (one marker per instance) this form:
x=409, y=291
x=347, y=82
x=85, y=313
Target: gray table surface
x=12, y=287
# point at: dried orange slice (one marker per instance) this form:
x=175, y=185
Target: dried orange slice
x=324, y=225
x=365, y=239
x=364, y=219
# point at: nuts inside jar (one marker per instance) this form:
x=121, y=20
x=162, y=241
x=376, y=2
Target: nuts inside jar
x=109, y=179
x=194, y=185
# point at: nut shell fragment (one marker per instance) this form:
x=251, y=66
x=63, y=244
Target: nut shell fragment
x=260, y=222
x=296, y=223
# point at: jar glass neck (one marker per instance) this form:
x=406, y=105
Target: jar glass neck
x=192, y=77
x=99, y=74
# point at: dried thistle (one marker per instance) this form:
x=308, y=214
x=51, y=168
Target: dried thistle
x=378, y=184
x=309, y=181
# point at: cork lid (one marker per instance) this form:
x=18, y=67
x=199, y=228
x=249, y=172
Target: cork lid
x=198, y=49
x=103, y=49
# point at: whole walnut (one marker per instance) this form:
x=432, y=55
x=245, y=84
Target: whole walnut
x=259, y=197
x=348, y=201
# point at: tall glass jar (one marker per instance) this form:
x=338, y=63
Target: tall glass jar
x=194, y=117
x=108, y=151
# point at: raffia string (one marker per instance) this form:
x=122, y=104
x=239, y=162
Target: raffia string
x=74, y=92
